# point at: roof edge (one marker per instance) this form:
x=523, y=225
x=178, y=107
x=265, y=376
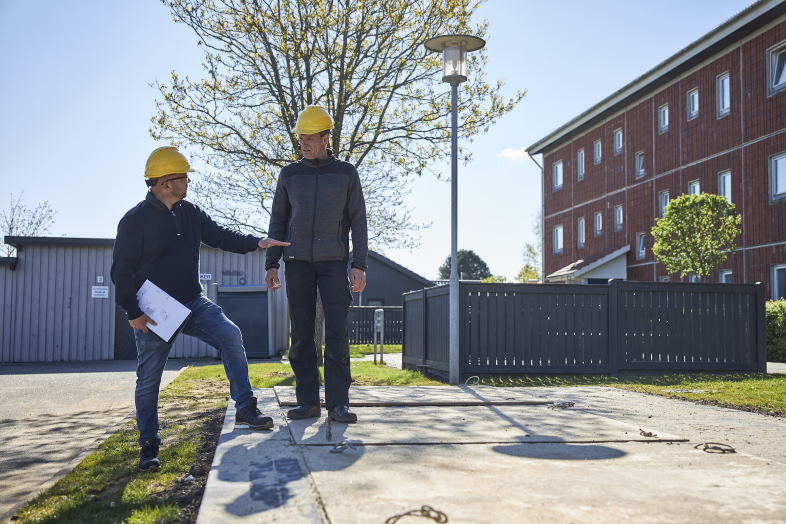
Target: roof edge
x=18, y=241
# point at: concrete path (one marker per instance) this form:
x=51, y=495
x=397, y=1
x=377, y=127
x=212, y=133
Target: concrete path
x=484, y=454
x=53, y=414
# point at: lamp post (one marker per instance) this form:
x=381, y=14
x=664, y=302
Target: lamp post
x=454, y=49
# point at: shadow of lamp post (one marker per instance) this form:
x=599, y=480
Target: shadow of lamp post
x=454, y=49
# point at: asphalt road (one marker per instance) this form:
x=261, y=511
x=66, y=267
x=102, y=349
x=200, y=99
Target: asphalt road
x=53, y=414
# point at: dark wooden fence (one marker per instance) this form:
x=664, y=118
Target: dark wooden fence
x=573, y=328
x=361, y=324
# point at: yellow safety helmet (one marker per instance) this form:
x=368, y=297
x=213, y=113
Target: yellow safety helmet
x=313, y=119
x=166, y=161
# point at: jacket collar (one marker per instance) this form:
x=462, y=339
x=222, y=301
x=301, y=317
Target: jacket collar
x=320, y=162
x=151, y=199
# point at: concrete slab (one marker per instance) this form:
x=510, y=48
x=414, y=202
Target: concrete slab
x=430, y=425
x=577, y=483
x=370, y=396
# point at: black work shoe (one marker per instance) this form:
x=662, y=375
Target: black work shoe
x=304, y=412
x=251, y=417
x=342, y=414
x=148, y=456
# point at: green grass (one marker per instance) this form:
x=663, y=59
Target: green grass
x=107, y=486
x=361, y=350
x=755, y=391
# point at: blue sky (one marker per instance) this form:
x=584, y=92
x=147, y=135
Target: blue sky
x=75, y=102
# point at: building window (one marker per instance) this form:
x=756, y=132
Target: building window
x=663, y=118
x=665, y=278
x=694, y=278
x=693, y=103
x=778, y=176
x=723, y=89
x=779, y=282
x=598, y=223
x=641, y=248
x=556, y=175
x=597, y=150
x=580, y=164
x=618, y=218
x=724, y=185
x=581, y=234
x=694, y=188
x=379, y=302
x=663, y=201
x=776, y=68
x=640, y=170
x=725, y=276
x=556, y=237
x=617, y=141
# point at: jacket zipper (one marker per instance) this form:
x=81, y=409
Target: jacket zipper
x=177, y=225
x=314, y=215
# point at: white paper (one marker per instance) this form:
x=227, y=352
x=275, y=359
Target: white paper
x=167, y=312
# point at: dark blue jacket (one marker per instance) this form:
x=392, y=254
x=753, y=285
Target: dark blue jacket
x=316, y=204
x=162, y=246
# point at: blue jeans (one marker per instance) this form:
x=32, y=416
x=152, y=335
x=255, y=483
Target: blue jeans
x=207, y=323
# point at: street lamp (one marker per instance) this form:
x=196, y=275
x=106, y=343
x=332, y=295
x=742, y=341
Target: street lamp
x=454, y=49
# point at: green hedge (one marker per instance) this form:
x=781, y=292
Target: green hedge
x=776, y=330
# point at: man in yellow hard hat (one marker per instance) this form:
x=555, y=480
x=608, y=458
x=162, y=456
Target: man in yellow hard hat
x=158, y=240
x=318, y=201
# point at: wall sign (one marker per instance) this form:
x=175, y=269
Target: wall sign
x=206, y=276
x=100, y=292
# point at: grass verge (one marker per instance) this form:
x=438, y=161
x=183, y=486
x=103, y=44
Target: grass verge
x=361, y=350
x=757, y=392
x=107, y=486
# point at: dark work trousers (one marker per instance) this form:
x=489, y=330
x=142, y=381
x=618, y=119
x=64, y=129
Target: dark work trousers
x=302, y=279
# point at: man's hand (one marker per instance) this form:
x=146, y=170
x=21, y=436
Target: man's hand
x=271, y=279
x=141, y=323
x=265, y=243
x=358, y=280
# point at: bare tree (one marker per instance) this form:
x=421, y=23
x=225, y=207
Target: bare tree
x=364, y=61
x=20, y=220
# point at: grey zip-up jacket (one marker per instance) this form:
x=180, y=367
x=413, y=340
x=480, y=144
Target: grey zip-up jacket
x=316, y=204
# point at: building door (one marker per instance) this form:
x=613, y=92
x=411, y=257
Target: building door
x=247, y=307
x=125, y=346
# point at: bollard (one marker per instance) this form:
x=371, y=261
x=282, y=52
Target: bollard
x=379, y=334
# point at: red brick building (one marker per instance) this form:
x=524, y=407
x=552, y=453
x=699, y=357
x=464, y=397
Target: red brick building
x=711, y=118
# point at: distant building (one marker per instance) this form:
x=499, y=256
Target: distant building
x=57, y=301
x=711, y=118
x=386, y=282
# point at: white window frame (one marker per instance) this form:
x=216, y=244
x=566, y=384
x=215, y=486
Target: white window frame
x=691, y=185
x=639, y=164
x=598, y=223
x=774, y=286
x=663, y=201
x=775, y=54
x=724, y=184
x=597, y=152
x=694, y=278
x=723, y=273
x=580, y=164
x=723, y=92
x=665, y=278
x=663, y=118
x=556, y=175
x=693, y=112
x=641, y=246
x=557, y=239
x=777, y=191
x=619, y=217
x=618, y=141
x=582, y=236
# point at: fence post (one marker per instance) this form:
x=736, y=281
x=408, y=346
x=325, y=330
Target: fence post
x=612, y=323
x=761, y=333
x=425, y=327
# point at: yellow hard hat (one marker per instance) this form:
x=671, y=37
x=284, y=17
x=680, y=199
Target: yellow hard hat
x=313, y=119
x=165, y=161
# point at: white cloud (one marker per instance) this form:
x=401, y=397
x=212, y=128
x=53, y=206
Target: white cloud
x=514, y=155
